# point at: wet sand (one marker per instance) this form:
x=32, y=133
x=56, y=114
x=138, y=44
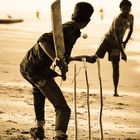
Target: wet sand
x=120, y=114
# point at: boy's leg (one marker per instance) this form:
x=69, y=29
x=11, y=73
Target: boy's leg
x=103, y=48
x=51, y=90
x=90, y=59
x=115, y=66
x=114, y=56
x=39, y=105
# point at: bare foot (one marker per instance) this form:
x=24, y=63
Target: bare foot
x=116, y=95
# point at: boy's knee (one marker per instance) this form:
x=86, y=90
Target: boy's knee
x=115, y=63
x=65, y=109
x=91, y=59
x=69, y=110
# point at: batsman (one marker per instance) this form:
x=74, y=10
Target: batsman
x=54, y=46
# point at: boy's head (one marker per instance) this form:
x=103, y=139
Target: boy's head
x=82, y=12
x=125, y=3
x=125, y=7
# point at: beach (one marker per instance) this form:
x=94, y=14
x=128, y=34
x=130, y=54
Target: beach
x=120, y=116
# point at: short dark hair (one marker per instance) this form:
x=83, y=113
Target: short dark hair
x=82, y=12
x=125, y=2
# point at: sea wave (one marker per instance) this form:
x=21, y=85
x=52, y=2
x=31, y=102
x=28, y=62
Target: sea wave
x=32, y=29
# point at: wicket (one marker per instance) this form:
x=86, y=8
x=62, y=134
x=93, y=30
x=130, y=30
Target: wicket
x=75, y=105
x=88, y=107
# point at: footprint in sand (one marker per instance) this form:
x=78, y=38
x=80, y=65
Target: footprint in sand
x=5, y=72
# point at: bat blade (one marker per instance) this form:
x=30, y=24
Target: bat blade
x=58, y=36
x=57, y=29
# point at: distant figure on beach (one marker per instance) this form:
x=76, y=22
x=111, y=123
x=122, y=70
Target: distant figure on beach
x=36, y=69
x=101, y=11
x=113, y=42
x=9, y=16
x=37, y=14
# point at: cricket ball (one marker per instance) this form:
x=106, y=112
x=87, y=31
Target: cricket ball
x=84, y=36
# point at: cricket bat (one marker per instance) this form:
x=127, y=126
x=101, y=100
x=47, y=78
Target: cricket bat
x=58, y=36
x=57, y=29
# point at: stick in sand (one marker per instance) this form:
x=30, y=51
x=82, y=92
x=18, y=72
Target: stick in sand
x=101, y=97
x=88, y=107
x=75, y=104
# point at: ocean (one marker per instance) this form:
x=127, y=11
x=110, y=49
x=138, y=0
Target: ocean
x=33, y=27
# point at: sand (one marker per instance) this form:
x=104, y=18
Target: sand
x=120, y=114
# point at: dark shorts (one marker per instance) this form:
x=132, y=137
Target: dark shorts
x=113, y=51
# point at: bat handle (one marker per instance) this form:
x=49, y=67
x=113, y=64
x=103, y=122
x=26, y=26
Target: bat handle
x=63, y=76
x=61, y=63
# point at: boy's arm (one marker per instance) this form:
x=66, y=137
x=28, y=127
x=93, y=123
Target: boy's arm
x=119, y=42
x=129, y=34
x=123, y=55
x=47, y=49
x=90, y=59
